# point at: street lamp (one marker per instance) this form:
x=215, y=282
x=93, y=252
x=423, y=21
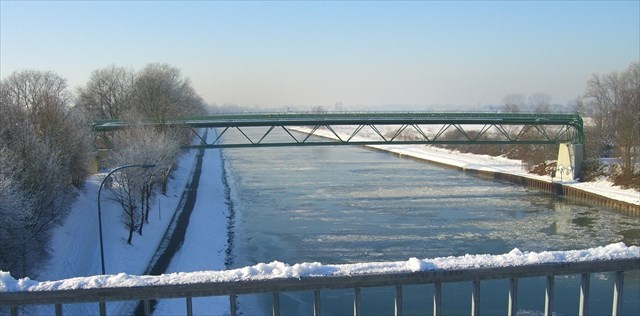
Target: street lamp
x=100, y=213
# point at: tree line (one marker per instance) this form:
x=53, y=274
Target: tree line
x=46, y=148
x=610, y=107
x=612, y=102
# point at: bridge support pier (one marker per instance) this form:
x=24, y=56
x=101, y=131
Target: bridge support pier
x=569, y=161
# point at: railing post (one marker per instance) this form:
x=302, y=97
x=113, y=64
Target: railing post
x=233, y=309
x=475, y=298
x=103, y=308
x=617, y=293
x=147, y=307
x=14, y=310
x=189, y=306
x=316, y=302
x=548, y=296
x=437, y=299
x=513, y=297
x=58, y=309
x=398, y=300
x=584, y=294
x=357, y=311
x=276, y=303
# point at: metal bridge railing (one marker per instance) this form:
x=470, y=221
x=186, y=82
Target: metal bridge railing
x=356, y=282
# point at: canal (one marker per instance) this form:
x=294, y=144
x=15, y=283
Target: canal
x=348, y=204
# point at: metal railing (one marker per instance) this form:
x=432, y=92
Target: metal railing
x=356, y=282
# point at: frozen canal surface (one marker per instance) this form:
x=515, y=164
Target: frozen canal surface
x=349, y=204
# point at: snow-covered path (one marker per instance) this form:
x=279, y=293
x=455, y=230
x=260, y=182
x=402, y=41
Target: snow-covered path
x=205, y=243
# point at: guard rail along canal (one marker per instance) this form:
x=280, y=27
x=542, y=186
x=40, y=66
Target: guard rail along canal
x=277, y=277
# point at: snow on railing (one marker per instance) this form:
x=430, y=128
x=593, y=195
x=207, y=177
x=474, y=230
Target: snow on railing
x=278, y=277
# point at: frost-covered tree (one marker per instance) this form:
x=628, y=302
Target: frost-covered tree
x=40, y=192
x=156, y=93
x=44, y=98
x=140, y=145
x=15, y=210
x=45, y=151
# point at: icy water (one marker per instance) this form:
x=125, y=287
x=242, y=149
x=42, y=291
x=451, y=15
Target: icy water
x=349, y=204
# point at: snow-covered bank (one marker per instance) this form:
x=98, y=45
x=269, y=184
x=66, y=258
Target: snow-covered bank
x=205, y=243
x=278, y=270
x=74, y=246
x=488, y=163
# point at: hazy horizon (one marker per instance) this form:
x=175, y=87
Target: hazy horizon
x=359, y=54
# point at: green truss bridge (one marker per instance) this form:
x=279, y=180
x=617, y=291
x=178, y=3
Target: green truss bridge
x=373, y=128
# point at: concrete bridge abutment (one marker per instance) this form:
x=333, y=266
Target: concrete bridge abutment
x=569, y=161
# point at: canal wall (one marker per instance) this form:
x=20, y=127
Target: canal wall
x=556, y=188
x=559, y=189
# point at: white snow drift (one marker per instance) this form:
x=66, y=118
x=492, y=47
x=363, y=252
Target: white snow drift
x=278, y=270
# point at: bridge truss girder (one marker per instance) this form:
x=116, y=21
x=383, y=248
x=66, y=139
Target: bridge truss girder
x=394, y=128
x=338, y=138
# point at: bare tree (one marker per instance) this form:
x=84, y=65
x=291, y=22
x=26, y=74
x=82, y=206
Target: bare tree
x=540, y=102
x=123, y=193
x=161, y=92
x=107, y=94
x=616, y=101
x=513, y=102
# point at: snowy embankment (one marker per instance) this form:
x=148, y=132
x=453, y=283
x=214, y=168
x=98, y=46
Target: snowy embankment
x=485, y=163
x=279, y=270
x=206, y=240
x=74, y=246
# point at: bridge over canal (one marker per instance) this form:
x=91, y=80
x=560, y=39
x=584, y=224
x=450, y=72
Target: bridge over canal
x=514, y=129
x=473, y=127
x=388, y=128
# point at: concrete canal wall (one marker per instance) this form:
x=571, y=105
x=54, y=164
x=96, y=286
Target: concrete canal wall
x=558, y=189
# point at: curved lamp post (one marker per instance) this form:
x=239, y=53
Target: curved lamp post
x=100, y=213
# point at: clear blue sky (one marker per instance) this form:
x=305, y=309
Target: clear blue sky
x=320, y=53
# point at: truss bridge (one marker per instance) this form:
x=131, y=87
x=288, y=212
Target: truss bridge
x=374, y=128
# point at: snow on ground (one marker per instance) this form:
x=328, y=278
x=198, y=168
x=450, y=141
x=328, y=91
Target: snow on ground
x=79, y=233
x=205, y=243
x=279, y=270
x=74, y=246
x=485, y=163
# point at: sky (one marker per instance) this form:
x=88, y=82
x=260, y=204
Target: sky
x=359, y=54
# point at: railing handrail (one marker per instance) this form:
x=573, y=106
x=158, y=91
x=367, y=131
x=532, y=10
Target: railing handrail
x=106, y=294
